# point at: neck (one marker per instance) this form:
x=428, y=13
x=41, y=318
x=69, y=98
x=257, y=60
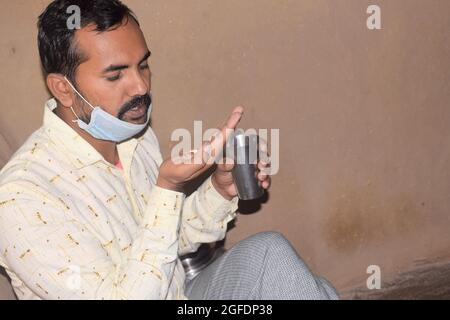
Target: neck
x=108, y=149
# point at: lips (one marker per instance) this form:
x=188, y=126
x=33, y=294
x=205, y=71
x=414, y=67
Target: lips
x=137, y=112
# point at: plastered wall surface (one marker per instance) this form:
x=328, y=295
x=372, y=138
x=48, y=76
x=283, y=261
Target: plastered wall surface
x=363, y=114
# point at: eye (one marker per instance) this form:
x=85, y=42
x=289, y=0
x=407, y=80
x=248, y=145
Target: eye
x=144, y=66
x=114, y=78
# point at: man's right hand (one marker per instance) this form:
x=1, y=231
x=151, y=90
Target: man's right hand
x=173, y=173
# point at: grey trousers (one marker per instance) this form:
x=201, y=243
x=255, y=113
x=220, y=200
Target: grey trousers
x=264, y=266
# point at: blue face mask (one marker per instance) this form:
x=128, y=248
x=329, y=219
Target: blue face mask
x=105, y=126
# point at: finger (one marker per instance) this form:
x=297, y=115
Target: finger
x=263, y=146
x=264, y=168
x=262, y=143
x=199, y=161
x=262, y=176
x=227, y=129
x=266, y=183
x=190, y=155
x=262, y=165
x=183, y=158
x=263, y=153
x=234, y=118
x=205, y=154
x=199, y=158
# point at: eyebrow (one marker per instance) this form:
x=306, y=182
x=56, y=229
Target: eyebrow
x=117, y=67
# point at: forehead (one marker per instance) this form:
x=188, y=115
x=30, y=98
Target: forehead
x=124, y=44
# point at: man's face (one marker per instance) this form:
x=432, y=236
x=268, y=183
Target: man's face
x=116, y=74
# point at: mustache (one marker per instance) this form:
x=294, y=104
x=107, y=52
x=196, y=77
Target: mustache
x=144, y=100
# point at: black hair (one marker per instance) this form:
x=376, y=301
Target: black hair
x=57, y=46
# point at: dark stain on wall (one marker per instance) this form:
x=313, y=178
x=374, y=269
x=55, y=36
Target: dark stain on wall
x=364, y=216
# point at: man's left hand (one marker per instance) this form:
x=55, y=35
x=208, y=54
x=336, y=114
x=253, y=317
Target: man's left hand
x=222, y=179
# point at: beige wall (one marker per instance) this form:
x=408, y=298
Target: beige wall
x=363, y=115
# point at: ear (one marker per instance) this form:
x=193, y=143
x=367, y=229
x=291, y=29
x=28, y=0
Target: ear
x=61, y=89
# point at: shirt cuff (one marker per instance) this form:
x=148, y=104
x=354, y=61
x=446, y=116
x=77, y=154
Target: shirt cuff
x=164, y=205
x=223, y=208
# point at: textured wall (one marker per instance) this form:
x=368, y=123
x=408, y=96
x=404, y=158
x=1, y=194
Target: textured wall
x=363, y=115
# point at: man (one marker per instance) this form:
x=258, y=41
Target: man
x=89, y=210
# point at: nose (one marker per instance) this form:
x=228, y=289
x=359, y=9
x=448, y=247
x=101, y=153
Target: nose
x=139, y=85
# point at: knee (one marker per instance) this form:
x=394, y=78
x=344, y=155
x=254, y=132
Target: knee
x=263, y=242
x=270, y=238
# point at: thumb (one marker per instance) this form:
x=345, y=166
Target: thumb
x=226, y=165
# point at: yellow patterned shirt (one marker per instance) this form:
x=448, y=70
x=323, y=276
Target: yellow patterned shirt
x=73, y=226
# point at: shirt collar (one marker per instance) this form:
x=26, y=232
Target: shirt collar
x=78, y=150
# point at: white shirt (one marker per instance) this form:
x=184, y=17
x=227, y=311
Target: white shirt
x=73, y=226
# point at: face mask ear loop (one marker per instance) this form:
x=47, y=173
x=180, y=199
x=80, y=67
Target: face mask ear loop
x=75, y=115
x=70, y=84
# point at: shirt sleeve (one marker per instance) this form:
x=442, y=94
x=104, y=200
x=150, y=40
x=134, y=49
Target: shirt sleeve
x=58, y=258
x=205, y=212
x=205, y=216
